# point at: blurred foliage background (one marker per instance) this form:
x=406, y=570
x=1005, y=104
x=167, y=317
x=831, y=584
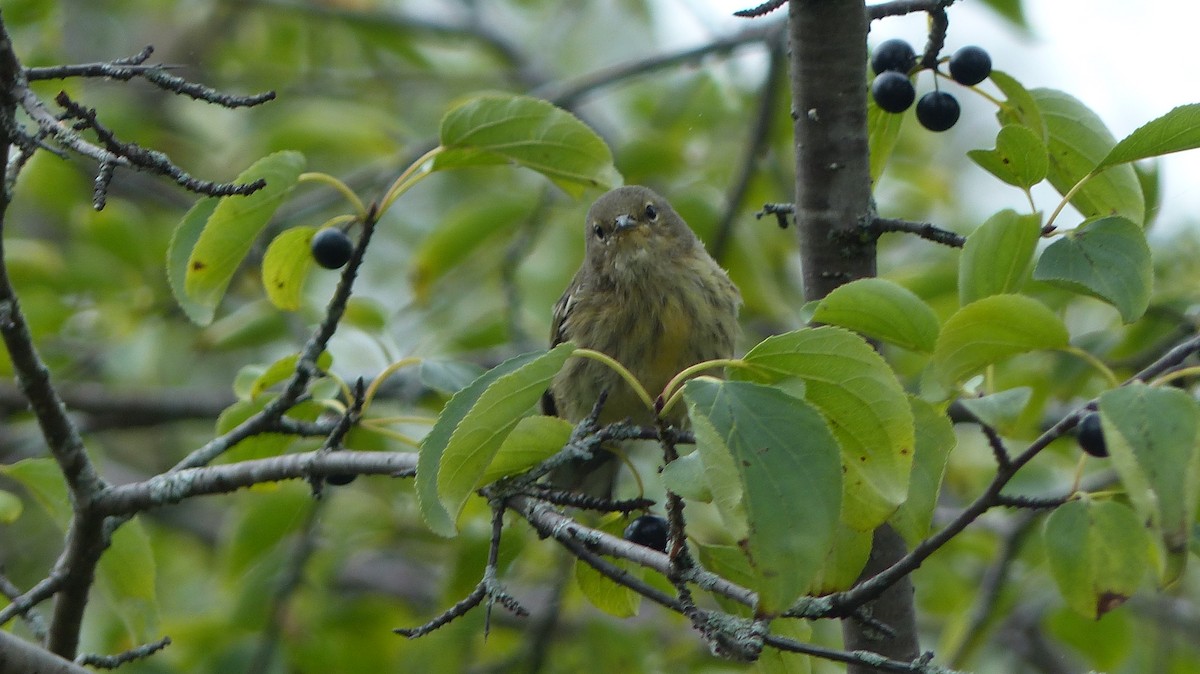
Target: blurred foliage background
x=466, y=272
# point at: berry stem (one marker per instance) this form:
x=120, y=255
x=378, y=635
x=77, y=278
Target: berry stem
x=315, y=177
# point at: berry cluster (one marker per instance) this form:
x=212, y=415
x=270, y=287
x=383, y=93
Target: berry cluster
x=893, y=91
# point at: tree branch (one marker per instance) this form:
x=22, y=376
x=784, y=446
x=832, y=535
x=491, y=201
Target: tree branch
x=176, y=485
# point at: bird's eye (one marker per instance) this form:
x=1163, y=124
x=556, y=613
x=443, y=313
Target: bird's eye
x=651, y=212
x=598, y=231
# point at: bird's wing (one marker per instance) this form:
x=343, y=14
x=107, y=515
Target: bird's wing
x=558, y=335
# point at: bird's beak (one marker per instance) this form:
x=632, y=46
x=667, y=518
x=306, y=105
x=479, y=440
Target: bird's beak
x=625, y=222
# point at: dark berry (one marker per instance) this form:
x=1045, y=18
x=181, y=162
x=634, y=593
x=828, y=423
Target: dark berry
x=896, y=55
x=649, y=531
x=893, y=92
x=331, y=248
x=340, y=479
x=1091, y=437
x=937, y=111
x=970, y=65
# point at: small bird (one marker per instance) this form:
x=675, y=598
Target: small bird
x=649, y=295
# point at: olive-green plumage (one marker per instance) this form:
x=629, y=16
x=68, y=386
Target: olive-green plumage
x=648, y=295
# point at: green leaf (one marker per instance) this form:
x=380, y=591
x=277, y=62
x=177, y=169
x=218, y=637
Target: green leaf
x=434, y=444
x=1176, y=131
x=1108, y=259
x=997, y=255
x=1078, y=141
x=1097, y=552
x=999, y=410
x=992, y=329
x=787, y=464
x=127, y=572
x=1019, y=157
x=1151, y=434
x=1019, y=106
x=532, y=440
x=721, y=475
x=529, y=132
x=282, y=370
x=883, y=310
x=935, y=440
x=11, y=507
x=44, y=482
x=883, y=130
x=867, y=409
x=232, y=227
x=285, y=265
x=686, y=476
x=463, y=231
x=471, y=429
x=183, y=240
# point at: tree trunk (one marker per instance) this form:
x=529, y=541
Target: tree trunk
x=828, y=42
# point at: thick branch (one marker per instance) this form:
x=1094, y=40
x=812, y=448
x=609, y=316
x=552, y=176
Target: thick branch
x=18, y=656
x=172, y=487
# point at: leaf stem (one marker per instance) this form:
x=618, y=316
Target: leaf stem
x=1049, y=226
x=316, y=177
x=1096, y=364
x=674, y=388
x=621, y=370
x=1177, y=374
x=411, y=176
x=387, y=372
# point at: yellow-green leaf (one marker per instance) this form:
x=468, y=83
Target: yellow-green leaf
x=231, y=228
x=285, y=266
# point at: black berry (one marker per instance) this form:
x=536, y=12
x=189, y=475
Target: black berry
x=893, y=92
x=340, y=479
x=937, y=111
x=970, y=65
x=1091, y=437
x=649, y=531
x=331, y=248
x=896, y=55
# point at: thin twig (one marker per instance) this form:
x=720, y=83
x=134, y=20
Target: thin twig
x=902, y=7
x=33, y=619
x=925, y=230
x=116, y=661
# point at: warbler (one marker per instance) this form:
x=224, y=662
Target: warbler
x=647, y=294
